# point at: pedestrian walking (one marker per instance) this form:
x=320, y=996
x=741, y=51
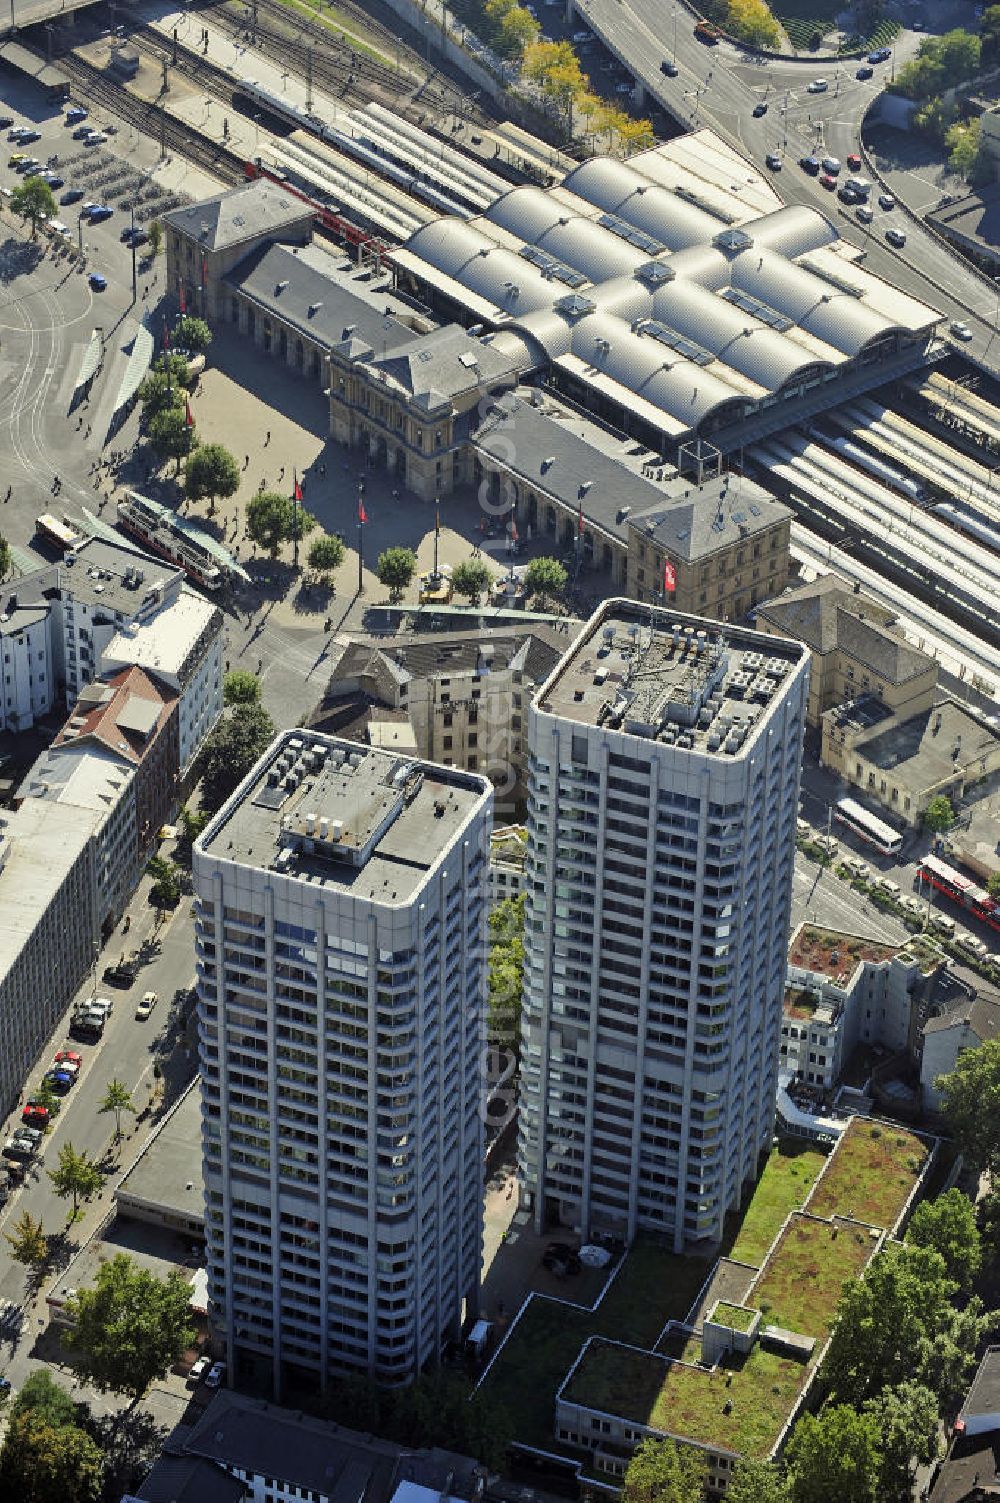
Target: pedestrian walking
x=281, y=474
x=267, y=438
x=10, y=492
x=322, y=469
x=246, y=462
x=89, y=429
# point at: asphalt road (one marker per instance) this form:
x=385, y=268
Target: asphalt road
x=126, y=1052
x=719, y=87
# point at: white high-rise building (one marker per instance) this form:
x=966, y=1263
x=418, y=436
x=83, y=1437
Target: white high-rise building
x=664, y=755
x=341, y=976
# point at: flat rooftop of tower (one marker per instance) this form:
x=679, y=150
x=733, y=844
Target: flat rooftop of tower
x=681, y=680
x=339, y=814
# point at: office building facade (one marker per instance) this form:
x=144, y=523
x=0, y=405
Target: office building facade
x=664, y=756
x=340, y=949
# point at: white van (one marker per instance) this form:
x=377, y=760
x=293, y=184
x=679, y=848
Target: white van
x=943, y=922
x=971, y=943
x=891, y=889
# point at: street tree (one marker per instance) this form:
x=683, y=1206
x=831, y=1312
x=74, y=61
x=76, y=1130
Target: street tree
x=241, y=687
x=211, y=474
x=240, y=738
x=906, y=1421
x=395, y=568
x=192, y=334
x=948, y=1225
x=166, y=889
x=117, y=1098
x=40, y=1394
x=75, y=1176
x=545, y=575
x=158, y=393
x=756, y=1482
x=471, y=578
x=155, y=238
x=28, y=1242
x=989, y=33
x=970, y=1104
x=661, y=1471
x=45, y=1463
x=325, y=556
x=752, y=22
x=45, y=1095
x=34, y=201
x=269, y=520
x=834, y=1455
x=129, y=1327
x=170, y=435
x=993, y=880
x=941, y=62
x=6, y=558
x=962, y=142
x=939, y=814
x=301, y=522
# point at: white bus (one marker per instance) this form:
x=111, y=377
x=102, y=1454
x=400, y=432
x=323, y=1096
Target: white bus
x=868, y=826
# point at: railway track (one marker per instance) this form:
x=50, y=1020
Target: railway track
x=336, y=65
x=92, y=87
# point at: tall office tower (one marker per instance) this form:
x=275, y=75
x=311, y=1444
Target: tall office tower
x=663, y=778
x=341, y=976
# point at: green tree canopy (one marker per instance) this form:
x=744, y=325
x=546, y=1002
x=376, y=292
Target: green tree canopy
x=192, y=334
x=40, y=1394
x=989, y=31
x=117, y=1098
x=941, y=62
x=6, y=558
x=155, y=237
x=28, y=1242
x=75, y=1175
x=897, y=1323
x=395, y=568
x=756, y=1482
x=506, y=971
x=545, y=575
x=158, y=394
x=325, y=555
x=939, y=814
x=964, y=146
x=33, y=200
x=170, y=435
x=270, y=520
x=45, y=1463
x=471, y=578
x=211, y=473
x=948, y=1225
x=241, y=687
x=970, y=1104
x=663, y=1472
x=993, y=880
x=129, y=1327
x=166, y=889
x=242, y=736
x=834, y=1455
x=906, y=1420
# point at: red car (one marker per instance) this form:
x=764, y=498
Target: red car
x=854, y=162
x=828, y=181
x=35, y=1115
x=69, y=1057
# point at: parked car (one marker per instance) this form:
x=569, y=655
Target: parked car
x=199, y=1369
x=971, y=943
x=99, y=212
x=865, y=72
x=886, y=201
x=865, y=214
x=912, y=906
x=145, y=1007
x=773, y=161
x=942, y=921
x=760, y=110
x=810, y=165
x=880, y=55
x=61, y=1081
x=69, y=1057
x=828, y=182
x=94, y=138
x=216, y=1375
x=5, y=121
x=854, y=161
x=831, y=165
x=896, y=238
x=847, y=195
x=17, y=1148
x=81, y=132
x=961, y=330
x=75, y=114
x=29, y=135
x=122, y=975
x=72, y=196
x=102, y=1004
x=35, y=1115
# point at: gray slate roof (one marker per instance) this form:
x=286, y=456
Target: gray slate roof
x=242, y=213
x=547, y=451
x=433, y=368
x=293, y=289
x=924, y=743
x=982, y=1014
x=828, y=615
x=189, y=1479
x=534, y=649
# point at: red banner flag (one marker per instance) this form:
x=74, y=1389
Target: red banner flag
x=669, y=576
x=188, y=415
x=297, y=489
x=166, y=336
x=437, y=520
x=362, y=514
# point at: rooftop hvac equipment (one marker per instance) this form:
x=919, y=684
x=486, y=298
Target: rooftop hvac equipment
x=686, y=740
x=776, y=667
x=753, y=660
x=714, y=741
x=763, y=688
x=738, y=685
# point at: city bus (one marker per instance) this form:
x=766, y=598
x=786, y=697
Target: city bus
x=867, y=826
x=961, y=889
x=59, y=534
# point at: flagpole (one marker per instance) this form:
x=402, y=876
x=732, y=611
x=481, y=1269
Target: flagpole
x=437, y=532
x=361, y=537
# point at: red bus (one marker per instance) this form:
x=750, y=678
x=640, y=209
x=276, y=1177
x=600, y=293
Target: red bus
x=961, y=889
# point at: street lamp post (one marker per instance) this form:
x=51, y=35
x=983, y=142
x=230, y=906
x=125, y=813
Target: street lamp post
x=135, y=274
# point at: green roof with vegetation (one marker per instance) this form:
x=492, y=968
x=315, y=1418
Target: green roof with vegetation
x=871, y=1175
x=653, y=1287
x=736, y=1317
x=791, y=1171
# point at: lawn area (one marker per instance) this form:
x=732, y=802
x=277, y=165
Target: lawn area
x=736, y=1317
x=789, y=1175
x=802, y=1282
x=654, y=1286
x=687, y=1400
x=871, y=1174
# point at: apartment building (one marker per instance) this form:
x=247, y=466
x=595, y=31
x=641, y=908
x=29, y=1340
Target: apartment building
x=340, y=950
x=664, y=757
